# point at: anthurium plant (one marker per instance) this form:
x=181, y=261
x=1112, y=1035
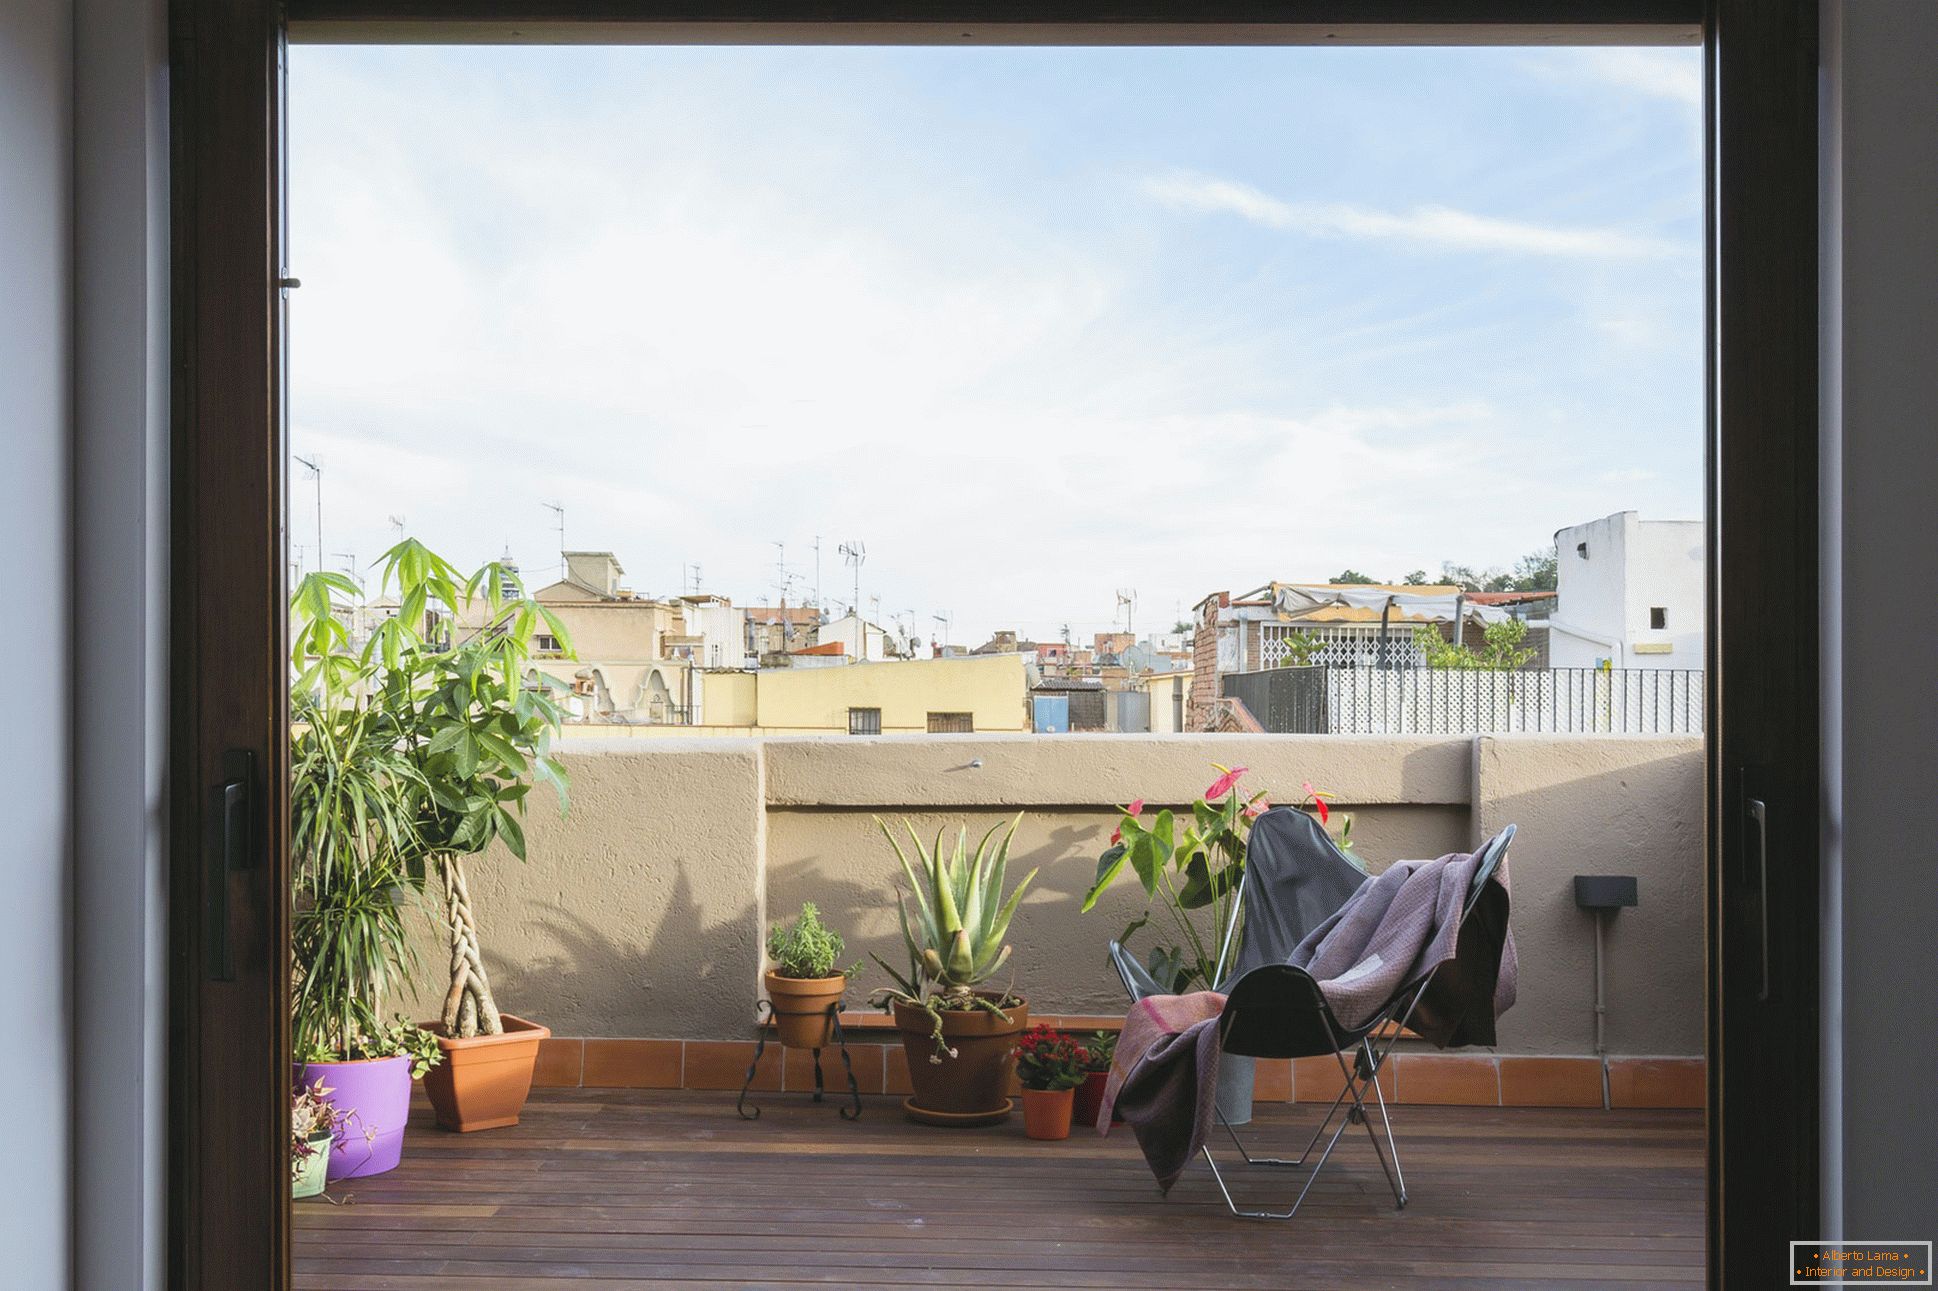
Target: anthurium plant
x=1189, y=865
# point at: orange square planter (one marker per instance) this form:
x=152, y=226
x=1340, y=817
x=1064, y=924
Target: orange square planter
x=483, y=1082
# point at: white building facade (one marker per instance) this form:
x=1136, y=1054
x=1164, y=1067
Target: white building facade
x=1629, y=594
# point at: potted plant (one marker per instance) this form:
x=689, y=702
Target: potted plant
x=352, y=842
x=1097, y=1053
x=314, y=1120
x=957, y=1034
x=1050, y=1066
x=478, y=733
x=1193, y=877
x=805, y=981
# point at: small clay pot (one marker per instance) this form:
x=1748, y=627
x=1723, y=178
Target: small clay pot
x=1046, y=1112
x=801, y=1008
x=1090, y=1098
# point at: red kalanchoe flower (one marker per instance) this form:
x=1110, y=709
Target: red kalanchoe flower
x=1223, y=784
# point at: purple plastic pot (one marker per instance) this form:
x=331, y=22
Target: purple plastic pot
x=374, y=1094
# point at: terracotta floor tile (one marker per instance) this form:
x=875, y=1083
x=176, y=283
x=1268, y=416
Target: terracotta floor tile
x=722, y=1064
x=1657, y=1082
x=1317, y=1080
x=1273, y=1082
x=1457, y=1080
x=1551, y=1082
x=798, y=1074
x=631, y=1064
x=561, y=1062
x=895, y=1071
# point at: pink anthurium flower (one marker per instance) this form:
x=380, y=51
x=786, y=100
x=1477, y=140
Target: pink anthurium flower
x=1136, y=808
x=1256, y=808
x=1319, y=804
x=1223, y=784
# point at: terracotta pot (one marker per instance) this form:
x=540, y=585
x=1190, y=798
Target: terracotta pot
x=974, y=1083
x=801, y=1008
x=1046, y=1112
x=483, y=1081
x=1090, y=1098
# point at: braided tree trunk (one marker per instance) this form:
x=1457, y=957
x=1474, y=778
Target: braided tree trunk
x=469, y=1009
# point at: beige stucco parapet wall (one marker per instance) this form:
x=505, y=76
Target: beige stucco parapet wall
x=640, y=913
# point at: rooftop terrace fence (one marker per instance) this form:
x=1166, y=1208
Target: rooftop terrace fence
x=1321, y=700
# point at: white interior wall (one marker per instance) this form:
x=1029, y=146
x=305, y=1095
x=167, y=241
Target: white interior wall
x=120, y=607
x=36, y=369
x=1881, y=720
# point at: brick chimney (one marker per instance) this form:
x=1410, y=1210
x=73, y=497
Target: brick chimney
x=1206, y=689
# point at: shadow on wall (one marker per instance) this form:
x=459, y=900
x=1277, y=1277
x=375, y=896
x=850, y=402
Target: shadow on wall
x=839, y=860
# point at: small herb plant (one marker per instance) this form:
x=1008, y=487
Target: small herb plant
x=312, y=1116
x=1047, y=1059
x=1100, y=1051
x=806, y=948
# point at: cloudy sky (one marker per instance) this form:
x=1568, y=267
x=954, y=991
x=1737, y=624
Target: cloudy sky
x=1035, y=325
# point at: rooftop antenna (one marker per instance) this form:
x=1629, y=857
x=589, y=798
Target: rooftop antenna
x=315, y=468
x=349, y=559
x=780, y=568
x=817, y=571
x=300, y=549
x=944, y=619
x=855, y=552
x=397, y=523
x=694, y=569
x=1127, y=602
x=558, y=510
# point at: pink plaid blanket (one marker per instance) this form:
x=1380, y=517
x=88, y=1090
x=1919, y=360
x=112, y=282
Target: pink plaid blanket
x=1164, y=1078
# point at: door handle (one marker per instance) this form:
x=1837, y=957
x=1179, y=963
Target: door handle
x=1760, y=814
x=229, y=837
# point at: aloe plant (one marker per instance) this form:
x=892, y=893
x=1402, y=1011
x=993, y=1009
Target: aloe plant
x=954, y=930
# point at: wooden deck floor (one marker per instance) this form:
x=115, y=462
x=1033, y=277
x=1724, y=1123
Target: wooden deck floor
x=614, y=1188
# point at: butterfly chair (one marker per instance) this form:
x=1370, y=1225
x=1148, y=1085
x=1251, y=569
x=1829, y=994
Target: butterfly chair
x=1295, y=879
x=1276, y=1010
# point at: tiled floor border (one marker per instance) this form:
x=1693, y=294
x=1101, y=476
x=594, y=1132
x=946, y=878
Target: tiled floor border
x=1468, y=1080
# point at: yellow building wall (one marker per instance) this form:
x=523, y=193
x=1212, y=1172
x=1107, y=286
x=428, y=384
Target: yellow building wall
x=991, y=687
x=1163, y=711
x=624, y=632
x=729, y=698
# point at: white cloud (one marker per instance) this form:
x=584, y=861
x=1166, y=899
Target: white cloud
x=1439, y=226
x=1673, y=74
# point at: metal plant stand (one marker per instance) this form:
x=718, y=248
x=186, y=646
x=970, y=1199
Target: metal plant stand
x=849, y=1111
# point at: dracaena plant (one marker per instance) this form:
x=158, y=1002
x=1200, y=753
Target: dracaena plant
x=1190, y=875
x=954, y=918
x=467, y=731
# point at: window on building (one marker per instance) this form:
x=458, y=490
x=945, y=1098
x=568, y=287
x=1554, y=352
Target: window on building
x=864, y=721
x=1658, y=617
x=952, y=723
x=1581, y=550
x=545, y=643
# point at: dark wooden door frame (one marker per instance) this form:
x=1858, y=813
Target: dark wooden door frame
x=228, y=1048
x=227, y=1210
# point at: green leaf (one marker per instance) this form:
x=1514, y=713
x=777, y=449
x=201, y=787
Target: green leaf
x=1109, y=866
